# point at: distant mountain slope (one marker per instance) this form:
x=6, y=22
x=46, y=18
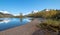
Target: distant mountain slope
x=5, y=15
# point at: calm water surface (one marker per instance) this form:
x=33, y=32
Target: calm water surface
x=7, y=23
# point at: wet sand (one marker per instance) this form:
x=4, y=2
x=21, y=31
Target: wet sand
x=27, y=29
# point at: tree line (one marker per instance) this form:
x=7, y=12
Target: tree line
x=51, y=13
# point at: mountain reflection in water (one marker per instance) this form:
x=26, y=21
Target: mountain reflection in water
x=4, y=21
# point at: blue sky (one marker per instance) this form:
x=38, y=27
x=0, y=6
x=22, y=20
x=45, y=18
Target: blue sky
x=26, y=6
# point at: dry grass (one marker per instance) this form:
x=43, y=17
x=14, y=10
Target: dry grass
x=50, y=24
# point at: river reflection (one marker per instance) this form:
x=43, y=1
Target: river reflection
x=7, y=23
x=21, y=19
x=4, y=21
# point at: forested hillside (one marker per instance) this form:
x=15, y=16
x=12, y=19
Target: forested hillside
x=50, y=13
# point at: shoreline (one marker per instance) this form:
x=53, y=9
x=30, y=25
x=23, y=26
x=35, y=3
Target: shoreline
x=27, y=29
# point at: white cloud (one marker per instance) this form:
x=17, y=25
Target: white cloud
x=16, y=14
x=35, y=11
x=5, y=12
x=47, y=9
x=26, y=13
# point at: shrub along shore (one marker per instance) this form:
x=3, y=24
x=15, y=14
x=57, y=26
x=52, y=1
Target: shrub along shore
x=52, y=22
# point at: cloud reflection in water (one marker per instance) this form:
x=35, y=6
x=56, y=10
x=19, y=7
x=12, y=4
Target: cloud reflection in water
x=4, y=21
